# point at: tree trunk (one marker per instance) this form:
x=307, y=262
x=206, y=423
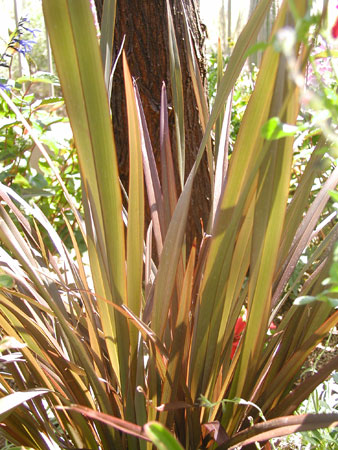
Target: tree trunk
x=144, y=23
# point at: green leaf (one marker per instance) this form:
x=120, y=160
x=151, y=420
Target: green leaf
x=21, y=181
x=6, y=281
x=331, y=301
x=274, y=129
x=334, y=195
x=40, y=77
x=161, y=437
x=38, y=181
x=260, y=46
x=306, y=299
x=282, y=426
x=6, y=122
x=48, y=101
x=107, y=39
x=35, y=192
x=325, y=54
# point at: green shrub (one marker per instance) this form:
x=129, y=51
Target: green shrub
x=23, y=168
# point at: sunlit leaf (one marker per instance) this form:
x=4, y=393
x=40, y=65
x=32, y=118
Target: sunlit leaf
x=11, y=401
x=161, y=437
x=275, y=129
x=306, y=299
x=6, y=281
x=40, y=77
x=257, y=48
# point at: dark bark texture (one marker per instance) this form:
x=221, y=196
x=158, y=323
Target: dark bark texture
x=144, y=23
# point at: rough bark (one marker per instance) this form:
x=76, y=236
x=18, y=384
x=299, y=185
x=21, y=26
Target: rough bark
x=144, y=23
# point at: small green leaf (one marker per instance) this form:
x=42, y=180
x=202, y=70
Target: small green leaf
x=304, y=300
x=7, y=122
x=275, y=129
x=334, y=289
x=49, y=101
x=260, y=46
x=334, y=195
x=331, y=301
x=40, y=77
x=6, y=281
x=38, y=181
x=161, y=437
x=36, y=192
x=326, y=54
x=21, y=181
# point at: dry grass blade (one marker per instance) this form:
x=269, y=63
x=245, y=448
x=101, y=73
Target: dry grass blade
x=177, y=93
x=222, y=160
x=305, y=230
x=291, y=366
x=11, y=401
x=152, y=181
x=291, y=402
x=177, y=363
x=107, y=40
x=167, y=165
x=281, y=427
x=135, y=229
x=166, y=275
x=119, y=424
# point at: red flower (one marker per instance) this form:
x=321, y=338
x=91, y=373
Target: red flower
x=239, y=327
x=334, y=29
x=272, y=326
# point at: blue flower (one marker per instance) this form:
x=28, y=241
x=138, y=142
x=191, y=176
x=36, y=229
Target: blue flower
x=25, y=46
x=33, y=31
x=22, y=25
x=5, y=87
x=18, y=43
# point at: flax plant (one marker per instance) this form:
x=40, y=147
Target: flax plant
x=117, y=353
